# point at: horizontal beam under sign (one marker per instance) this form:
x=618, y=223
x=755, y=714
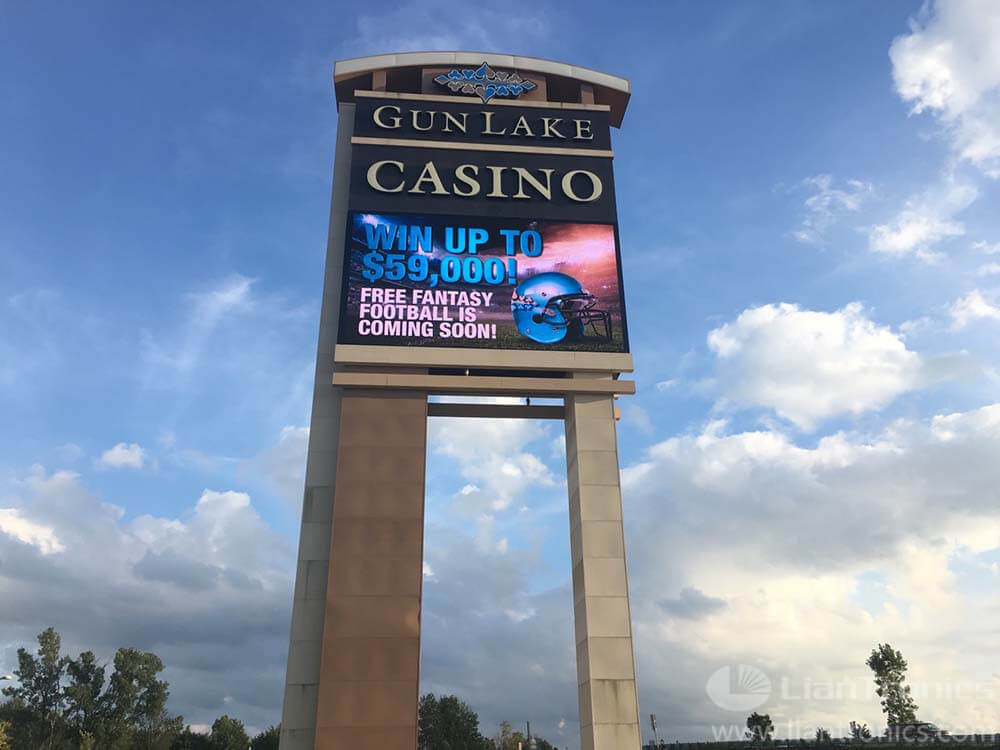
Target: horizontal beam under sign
x=423, y=356
x=495, y=411
x=483, y=385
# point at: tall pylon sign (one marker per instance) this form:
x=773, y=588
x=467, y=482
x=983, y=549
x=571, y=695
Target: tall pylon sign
x=473, y=250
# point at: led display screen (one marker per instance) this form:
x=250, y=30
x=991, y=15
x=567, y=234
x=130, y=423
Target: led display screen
x=482, y=282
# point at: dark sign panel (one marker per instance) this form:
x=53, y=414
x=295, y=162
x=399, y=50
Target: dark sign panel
x=504, y=124
x=488, y=183
x=478, y=225
x=422, y=280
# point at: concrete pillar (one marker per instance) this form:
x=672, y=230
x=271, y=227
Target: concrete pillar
x=369, y=673
x=609, y=714
x=298, y=715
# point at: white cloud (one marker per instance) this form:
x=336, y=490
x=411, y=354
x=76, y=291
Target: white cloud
x=986, y=247
x=747, y=548
x=826, y=203
x=808, y=365
x=973, y=306
x=14, y=524
x=516, y=615
x=925, y=220
x=807, y=558
x=665, y=385
x=988, y=269
x=70, y=452
x=204, y=312
x=123, y=456
x=209, y=591
x=635, y=416
x=949, y=64
x=492, y=456
x=283, y=466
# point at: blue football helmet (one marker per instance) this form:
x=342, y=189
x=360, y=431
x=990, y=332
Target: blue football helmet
x=550, y=307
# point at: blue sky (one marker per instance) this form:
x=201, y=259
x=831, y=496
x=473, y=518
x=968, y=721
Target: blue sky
x=807, y=195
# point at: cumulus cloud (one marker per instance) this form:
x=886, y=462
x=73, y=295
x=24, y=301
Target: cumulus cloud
x=15, y=525
x=745, y=547
x=987, y=247
x=825, y=203
x=971, y=307
x=500, y=467
x=809, y=365
x=208, y=590
x=635, y=416
x=123, y=456
x=283, y=466
x=818, y=553
x=949, y=65
x=692, y=604
x=988, y=269
x=926, y=219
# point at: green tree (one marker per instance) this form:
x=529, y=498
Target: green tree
x=188, y=740
x=267, y=740
x=23, y=726
x=4, y=736
x=759, y=727
x=889, y=667
x=62, y=703
x=228, y=734
x=860, y=732
x=822, y=735
x=40, y=690
x=133, y=709
x=83, y=696
x=447, y=723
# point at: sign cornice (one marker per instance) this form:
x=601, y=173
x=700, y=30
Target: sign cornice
x=465, y=146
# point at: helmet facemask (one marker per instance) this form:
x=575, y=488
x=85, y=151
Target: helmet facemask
x=576, y=313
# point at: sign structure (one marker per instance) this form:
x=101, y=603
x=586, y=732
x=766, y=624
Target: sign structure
x=473, y=249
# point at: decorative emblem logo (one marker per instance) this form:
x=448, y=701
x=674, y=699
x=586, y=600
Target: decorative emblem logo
x=485, y=82
x=738, y=687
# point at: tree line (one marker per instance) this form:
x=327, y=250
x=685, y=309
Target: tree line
x=65, y=703
x=62, y=703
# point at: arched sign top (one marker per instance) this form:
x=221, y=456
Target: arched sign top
x=608, y=89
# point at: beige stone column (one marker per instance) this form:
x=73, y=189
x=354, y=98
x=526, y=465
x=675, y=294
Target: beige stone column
x=609, y=714
x=368, y=687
